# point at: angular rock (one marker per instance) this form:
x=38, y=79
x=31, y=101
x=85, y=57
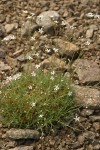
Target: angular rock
x=89, y=33
x=88, y=97
x=11, y=61
x=66, y=48
x=53, y=62
x=22, y=134
x=87, y=112
x=4, y=67
x=47, y=19
x=10, y=27
x=86, y=71
x=22, y=148
x=28, y=28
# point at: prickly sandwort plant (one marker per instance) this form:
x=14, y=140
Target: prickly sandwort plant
x=37, y=100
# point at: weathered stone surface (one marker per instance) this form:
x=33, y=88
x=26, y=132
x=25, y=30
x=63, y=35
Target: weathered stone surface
x=53, y=62
x=66, y=48
x=46, y=19
x=10, y=27
x=87, y=97
x=22, y=148
x=22, y=134
x=86, y=71
x=11, y=61
x=28, y=28
x=89, y=33
x=87, y=112
x=4, y=67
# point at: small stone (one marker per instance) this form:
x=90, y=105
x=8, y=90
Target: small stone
x=10, y=27
x=4, y=67
x=87, y=112
x=11, y=144
x=81, y=139
x=53, y=62
x=89, y=33
x=22, y=134
x=66, y=48
x=11, y=61
x=28, y=28
x=94, y=27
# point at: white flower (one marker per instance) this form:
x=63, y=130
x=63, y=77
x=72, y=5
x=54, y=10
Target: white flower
x=33, y=74
x=30, y=87
x=48, y=50
x=33, y=104
x=32, y=38
x=51, y=78
x=38, y=66
x=29, y=17
x=56, y=87
x=33, y=14
x=87, y=43
x=25, y=11
x=32, y=47
x=55, y=21
x=90, y=15
x=77, y=118
x=55, y=49
x=41, y=30
x=53, y=72
x=37, y=54
x=29, y=58
x=70, y=93
x=63, y=23
x=40, y=116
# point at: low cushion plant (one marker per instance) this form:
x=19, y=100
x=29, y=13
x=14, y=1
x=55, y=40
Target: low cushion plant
x=38, y=100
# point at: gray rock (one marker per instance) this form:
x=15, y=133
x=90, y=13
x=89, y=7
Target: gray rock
x=87, y=112
x=94, y=27
x=46, y=19
x=66, y=48
x=27, y=28
x=89, y=33
x=87, y=97
x=22, y=134
x=86, y=71
x=22, y=148
x=10, y=27
x=4, y=67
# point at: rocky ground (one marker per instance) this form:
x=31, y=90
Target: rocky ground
x=67, y=35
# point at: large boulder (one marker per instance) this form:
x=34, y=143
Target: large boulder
x=86, y=71
x=87, y=97
x=47, y=19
